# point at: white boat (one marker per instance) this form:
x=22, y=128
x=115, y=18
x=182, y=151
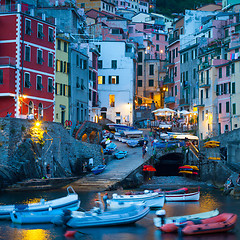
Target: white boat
x=97, y=218
x=29, y=217
x=70, y=200
x=158, y=220
x=185, y=197
x=152, y=200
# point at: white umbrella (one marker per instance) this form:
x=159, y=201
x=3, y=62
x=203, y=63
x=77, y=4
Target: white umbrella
x=184, y=112
x=163, y=114
x=163, y=110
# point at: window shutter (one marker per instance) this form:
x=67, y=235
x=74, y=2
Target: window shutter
x=103, y=80
x=109, y=79
x=117, y=79
x=217, y=90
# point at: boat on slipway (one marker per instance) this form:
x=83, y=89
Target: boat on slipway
x=152, y=200
x=98, y=169
x=70, y=201
x=98, y=218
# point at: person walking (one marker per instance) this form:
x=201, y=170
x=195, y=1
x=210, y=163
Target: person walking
x=144, y=151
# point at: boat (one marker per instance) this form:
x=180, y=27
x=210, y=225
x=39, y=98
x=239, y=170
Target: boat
x=152, y=200
x=133, y=143
x=30, y=217
x=98, y=169
x=171, y=220
x=219, y=223
x=159, y=190
x=120, y=154
x=188, y=169
x=111, y=147
x=97, y=218
x=71, y=200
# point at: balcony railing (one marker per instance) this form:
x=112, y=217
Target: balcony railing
x=204, y=65
x=169, y=100
x=205, y=83
x=7, y=61
x=173, y=39
x=184, y=102
x=168, y=80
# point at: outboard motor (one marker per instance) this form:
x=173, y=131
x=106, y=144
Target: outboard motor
x=161, y=214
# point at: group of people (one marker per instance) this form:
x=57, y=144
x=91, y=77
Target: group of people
x=229, y=183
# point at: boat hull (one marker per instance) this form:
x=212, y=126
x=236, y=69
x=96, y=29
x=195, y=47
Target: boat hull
x=130, y=215
x=187, y=197
x=56, y=204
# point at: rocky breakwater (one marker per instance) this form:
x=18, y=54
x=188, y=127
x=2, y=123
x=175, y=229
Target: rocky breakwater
x=26, y=149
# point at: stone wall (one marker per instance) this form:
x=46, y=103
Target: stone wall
x=22, y=156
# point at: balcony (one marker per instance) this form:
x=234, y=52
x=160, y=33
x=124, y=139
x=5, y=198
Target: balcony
x=169, y=100
x=184, y=102
x=204, y=65
x=7, y=61
x=173, y=39
x=205, y=83
x=168, y=80
x=199, y=103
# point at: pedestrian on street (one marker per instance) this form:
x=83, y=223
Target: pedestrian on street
x=48, y=175
x=105, y=198
x=144, y=151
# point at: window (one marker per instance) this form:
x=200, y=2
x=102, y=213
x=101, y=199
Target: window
x=101, y=79
x=39, y=57
x=59, y=44
x=202, y=115
x=226, y=33
x=151, y=83
x=40, y=110
x=227, y=71
x=50, y=59
x=50, y=35
x=100, y=66
x=61, y=66
x=206, y=93
x=151, y=69
x=176, y=90
x=227, y=107
x=220, y=108
x=234, y=108
x=40, y=31
x=114, y=64
x=194, y=73
x=118, y=114
x=233, y=88
x=27, y=83
x=175, y=71
x=58, y=63
x=157, y=47
x=157, y=37
x=140, y=55
x=139, y=70
x=82, y=84
x=233, y=68
x=61, y=89
x=220, y=72
x=65, y=67
x=166, y=38
x=139, y=83
x=1, y=76
x=176, y=52
x=28, y=29
x=27, y=53
x=50, y=85
x=113, y=79
x=65, y=47
x=30, y=107
x=39, y=83
x=112, y=100
x=90, y=95
x=77, y=83
x=225, y=88
x=77, y=60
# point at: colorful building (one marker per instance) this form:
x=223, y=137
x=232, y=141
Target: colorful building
x=27, y=63
x=62, y=84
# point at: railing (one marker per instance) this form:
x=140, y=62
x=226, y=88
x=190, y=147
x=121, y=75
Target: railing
x=168, y=80
x=204, y=65
x=7, y=61
x=183, y=101
x=205, y=83
x=173, y=39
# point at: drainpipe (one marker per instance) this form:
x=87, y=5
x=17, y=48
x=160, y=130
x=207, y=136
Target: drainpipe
x=22, y=58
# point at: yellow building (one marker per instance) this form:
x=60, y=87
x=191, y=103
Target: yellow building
x=99, y=5
x=62, y=88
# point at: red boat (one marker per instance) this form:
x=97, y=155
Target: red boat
x=221, y=223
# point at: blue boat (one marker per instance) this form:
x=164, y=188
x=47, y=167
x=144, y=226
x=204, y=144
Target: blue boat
x=111, y=147
x=120, y=154
x=99, y=169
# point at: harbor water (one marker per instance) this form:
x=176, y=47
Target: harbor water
x=144, y=229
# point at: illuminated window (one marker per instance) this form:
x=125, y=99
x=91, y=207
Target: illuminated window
x=113, y=79
x=112, y=100
x=58, y=65
x=101, y=79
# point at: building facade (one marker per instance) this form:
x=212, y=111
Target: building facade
x=27, y=64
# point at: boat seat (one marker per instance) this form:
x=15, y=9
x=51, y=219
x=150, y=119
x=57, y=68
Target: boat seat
x=196, y=221
x=20, y=207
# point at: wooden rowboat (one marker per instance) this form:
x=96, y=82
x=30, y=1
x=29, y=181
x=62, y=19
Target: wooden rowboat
x=185, y=197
